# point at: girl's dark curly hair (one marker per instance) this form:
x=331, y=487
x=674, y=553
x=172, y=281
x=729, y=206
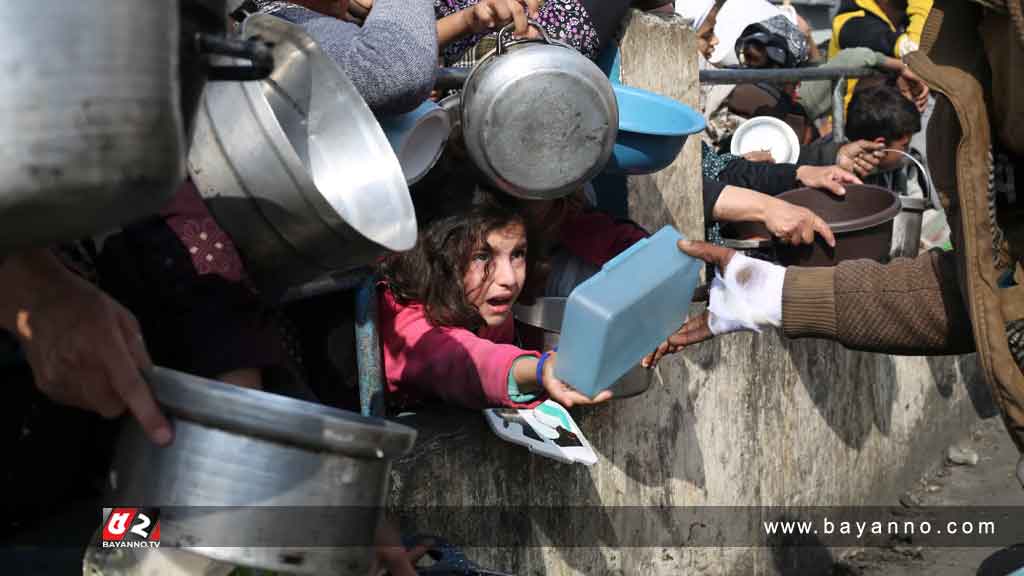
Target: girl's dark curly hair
x=454, y=229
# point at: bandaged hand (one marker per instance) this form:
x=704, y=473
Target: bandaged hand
x=746, y=294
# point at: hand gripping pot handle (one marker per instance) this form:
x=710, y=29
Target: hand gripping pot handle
x=504, y=43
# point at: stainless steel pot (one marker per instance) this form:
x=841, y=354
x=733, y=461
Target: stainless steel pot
x=296, y=169
x=545, y=315
x=92, y=132
x=538, y=118
x=906, y=229
x=248, y=471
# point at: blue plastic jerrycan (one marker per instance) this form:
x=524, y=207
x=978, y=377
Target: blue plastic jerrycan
x=623, y=312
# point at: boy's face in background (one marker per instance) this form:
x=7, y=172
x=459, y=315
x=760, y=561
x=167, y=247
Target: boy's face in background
x=892, y=160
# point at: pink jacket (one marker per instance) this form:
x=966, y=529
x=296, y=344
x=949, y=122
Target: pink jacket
x=457, y=366
x=452, y=364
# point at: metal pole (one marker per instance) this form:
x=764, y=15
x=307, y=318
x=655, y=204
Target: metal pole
x=368, y=362
x=838, y=111
x=755, y=75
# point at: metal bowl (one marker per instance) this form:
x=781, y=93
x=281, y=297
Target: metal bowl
x=258, y=479
x=296, y=169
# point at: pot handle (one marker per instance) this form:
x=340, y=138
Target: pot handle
x=504, y=44
x=747, y=244
x=931, y=195
x=257, y=52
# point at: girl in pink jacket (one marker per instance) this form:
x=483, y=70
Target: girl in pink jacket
x=446, y=322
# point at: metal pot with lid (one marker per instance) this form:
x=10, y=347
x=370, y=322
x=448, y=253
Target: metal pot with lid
x=538, y=118
x=258, y=479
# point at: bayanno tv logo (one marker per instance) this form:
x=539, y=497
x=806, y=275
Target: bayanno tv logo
x=131, y=528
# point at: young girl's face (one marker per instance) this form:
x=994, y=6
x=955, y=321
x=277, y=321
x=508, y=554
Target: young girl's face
x=496, y=273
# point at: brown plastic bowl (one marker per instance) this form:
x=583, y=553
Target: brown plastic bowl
x=861, y=221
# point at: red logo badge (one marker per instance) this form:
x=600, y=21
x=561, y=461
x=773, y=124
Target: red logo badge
x=131, y=528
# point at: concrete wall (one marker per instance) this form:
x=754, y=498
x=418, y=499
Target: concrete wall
x=740, y=420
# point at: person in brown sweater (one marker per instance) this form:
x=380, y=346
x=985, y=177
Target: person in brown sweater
x=970, y=299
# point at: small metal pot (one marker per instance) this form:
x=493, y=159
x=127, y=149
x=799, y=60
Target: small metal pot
x=907, y=226
x=538, y=118
x=92, y=133
x=541, y=325
x=296, y=169
x=250, y=471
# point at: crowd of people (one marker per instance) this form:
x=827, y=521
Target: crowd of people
x=90, y=318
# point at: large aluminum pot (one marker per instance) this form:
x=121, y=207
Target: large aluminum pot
x=542, y=326
x=296, y=169
x=91, y=131
x=258, y=479
x=538, y=118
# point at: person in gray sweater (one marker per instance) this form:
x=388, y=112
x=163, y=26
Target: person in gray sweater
x=391, y=58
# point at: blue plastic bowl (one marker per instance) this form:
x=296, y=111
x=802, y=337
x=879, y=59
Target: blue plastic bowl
x=652, y=131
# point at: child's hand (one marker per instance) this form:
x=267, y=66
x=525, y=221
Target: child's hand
x=488, y=15
x=860, y=156
x=563, y=393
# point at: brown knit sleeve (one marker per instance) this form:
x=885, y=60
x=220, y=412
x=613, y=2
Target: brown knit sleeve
x=909, y=306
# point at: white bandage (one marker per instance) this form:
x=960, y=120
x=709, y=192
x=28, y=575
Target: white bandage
x=748, y=297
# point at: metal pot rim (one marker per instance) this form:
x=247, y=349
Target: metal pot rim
x=278, y=418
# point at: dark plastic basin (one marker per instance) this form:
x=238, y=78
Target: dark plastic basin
x=861, y=221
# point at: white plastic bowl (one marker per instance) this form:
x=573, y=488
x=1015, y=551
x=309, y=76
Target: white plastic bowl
x=767, y=133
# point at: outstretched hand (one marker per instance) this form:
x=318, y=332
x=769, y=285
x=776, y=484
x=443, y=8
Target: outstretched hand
x=696, y=329
x=746, y=294
x=565, y=394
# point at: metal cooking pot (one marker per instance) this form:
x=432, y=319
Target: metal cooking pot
x=906, y=229
x=92, y=131
x=542, y=325
x=538, y=118
x=237, y=453
x=296, y=169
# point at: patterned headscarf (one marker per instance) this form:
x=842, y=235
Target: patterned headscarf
x=784, y=43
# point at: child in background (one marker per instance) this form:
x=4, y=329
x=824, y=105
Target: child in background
x=879, y=116
x=446, y=322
